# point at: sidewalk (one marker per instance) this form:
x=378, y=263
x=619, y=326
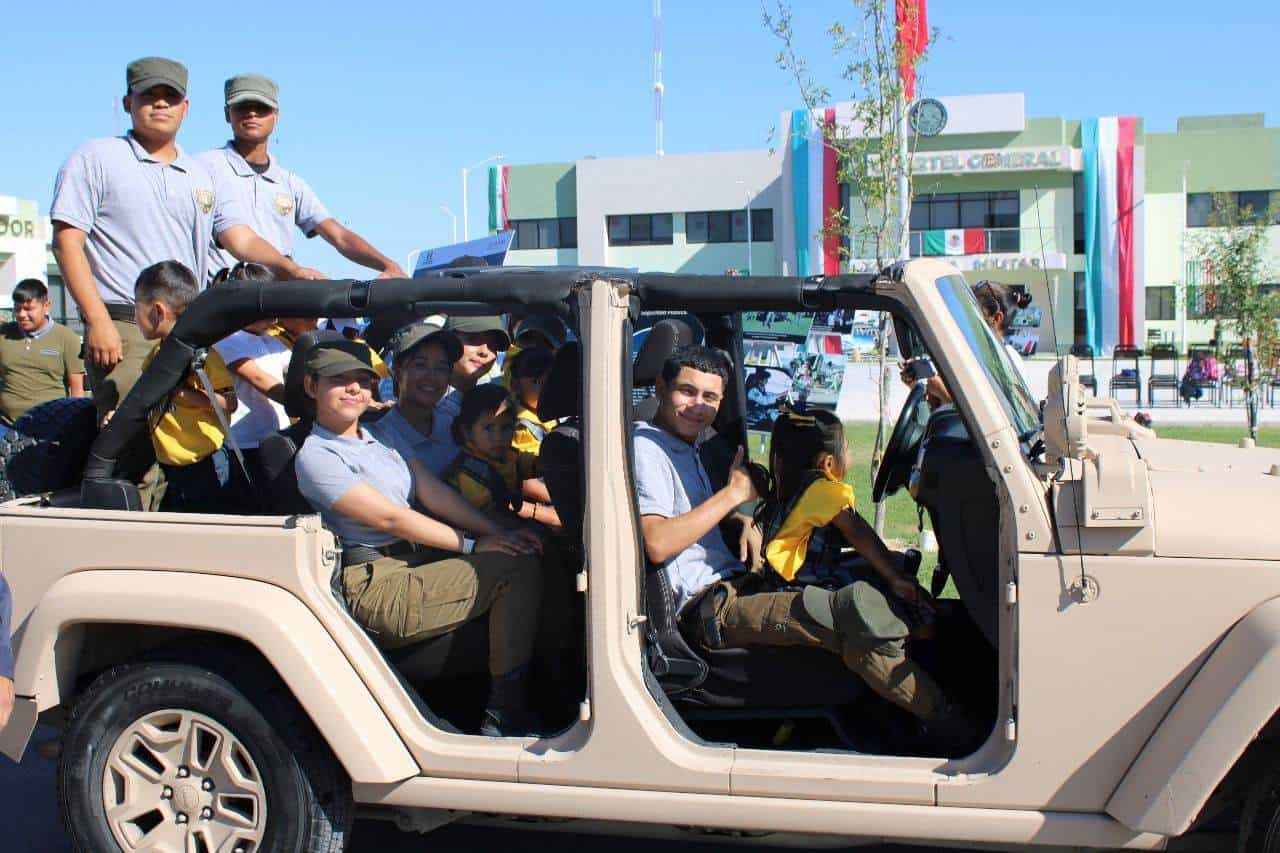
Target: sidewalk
x=859, y=401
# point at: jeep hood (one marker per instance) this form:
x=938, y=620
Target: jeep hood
x=1213, y=500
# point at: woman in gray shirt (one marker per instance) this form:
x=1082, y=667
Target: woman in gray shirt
x=408, y=576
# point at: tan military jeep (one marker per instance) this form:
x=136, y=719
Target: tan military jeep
x=1117, y=628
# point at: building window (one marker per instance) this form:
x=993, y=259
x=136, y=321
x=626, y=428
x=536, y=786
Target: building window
x=1160, y=303
x=559, y=233
x=1253, y=206
x=1080, y=314
x=1077, y=213
x=728, y=226
x=997, y=213
x=644, y=229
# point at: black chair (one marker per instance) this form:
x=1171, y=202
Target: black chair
x=1165, y=372
x=1125, y=371
x=664, y=338
x=1088, y=380
x=1235, y=374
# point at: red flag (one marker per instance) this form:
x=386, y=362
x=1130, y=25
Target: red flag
x=913, y=36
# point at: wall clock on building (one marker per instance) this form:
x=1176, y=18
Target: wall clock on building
x=927, y=117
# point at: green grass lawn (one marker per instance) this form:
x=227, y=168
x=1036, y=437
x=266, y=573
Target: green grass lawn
x=901, y=525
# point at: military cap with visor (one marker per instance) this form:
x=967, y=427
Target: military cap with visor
x=333, y=358
x=151, y=71
x=491, y=325
x=252, y=88
x=409, y=338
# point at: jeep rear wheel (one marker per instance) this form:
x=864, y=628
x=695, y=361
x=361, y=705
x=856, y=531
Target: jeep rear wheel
x=172, y=756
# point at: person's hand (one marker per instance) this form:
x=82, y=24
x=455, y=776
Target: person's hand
x=102, y=342
x=379, y=405
x=513, y=543
x=392, y=270
x=935, y=392
x=106, y=419
x=740, y=485
x=750, y=545
x=6, y=700
x=909, y=590
x=308, y=274
x=905, y=374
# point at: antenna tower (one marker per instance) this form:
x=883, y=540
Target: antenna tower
x=657, y=73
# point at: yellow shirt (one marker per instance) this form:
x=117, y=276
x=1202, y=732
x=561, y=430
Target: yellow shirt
x=820, y=503
x=507, y=361
x=513, y=471
x=281, y=334
x=524, y=439
x=183, y=433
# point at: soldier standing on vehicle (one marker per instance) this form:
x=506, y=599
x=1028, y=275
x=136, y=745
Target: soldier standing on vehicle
x=274, y=199
x=124, y=203
x=39, y=359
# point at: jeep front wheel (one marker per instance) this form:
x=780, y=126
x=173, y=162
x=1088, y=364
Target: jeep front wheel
x=171, y=756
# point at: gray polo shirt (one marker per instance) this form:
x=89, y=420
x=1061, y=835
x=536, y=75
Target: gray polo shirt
x=433, y=451
x=138, y=211
x=446, y=411
x=670, y=481
x=328, y=465
x=274, y=202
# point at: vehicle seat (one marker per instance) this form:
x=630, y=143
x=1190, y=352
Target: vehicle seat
x=277, y=451
x=561, y=451
x=964, y=512
x=751, y=677
x=664, y=338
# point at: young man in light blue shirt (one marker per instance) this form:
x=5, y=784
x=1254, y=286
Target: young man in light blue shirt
x=275, y=201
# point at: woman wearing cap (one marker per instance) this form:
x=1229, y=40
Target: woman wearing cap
x=406, y=576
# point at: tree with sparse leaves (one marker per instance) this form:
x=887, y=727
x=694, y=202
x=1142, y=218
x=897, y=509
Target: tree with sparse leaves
x=1233, y=253
x=869, y=151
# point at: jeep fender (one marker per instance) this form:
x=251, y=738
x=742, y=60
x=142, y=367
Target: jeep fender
x=1217, y=716
x=271, y=619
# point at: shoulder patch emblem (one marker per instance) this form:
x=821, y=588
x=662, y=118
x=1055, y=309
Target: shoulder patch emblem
x=204, y=200
x=284, y=204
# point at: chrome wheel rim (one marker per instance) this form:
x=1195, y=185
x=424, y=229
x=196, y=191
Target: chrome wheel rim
x=180, y=782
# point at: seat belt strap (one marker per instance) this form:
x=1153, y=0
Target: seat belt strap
x=197, y=364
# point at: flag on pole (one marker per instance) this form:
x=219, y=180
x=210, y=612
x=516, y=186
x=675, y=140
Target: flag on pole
x=1113, y=189
x=913, y=36
x=498, y=220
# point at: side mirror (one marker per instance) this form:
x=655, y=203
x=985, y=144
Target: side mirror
x=1065, y=424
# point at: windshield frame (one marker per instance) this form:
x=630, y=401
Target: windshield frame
x=1006, y=378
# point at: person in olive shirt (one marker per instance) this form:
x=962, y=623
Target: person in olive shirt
x=39, y=359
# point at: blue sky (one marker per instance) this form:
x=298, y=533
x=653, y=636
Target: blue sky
x=384, y=102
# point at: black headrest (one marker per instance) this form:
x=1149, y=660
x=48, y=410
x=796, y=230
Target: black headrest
x=561, y=390
x=295, y=398
x=664, y=338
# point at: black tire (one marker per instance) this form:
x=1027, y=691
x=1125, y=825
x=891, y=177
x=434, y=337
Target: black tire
x=1260, y=821
x=306, y=795
x=47, y=447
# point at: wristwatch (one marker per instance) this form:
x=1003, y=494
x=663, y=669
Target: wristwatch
x=468, y=544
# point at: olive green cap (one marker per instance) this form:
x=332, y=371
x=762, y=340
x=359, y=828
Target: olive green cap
x=410, y=338
x=142, y=74
x=244, y=88
x=466, y=325
x=334, y=357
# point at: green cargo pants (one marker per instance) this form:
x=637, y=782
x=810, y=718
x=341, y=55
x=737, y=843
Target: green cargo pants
x=404, y=601
x=856, y=623
x=111, y=386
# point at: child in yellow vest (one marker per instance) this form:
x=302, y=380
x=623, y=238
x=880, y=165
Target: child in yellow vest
x=809, y=514
x=529, y=371
x=186, y=432
x=488, y=472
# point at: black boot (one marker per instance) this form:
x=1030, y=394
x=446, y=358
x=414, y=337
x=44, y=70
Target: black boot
x=506, y=713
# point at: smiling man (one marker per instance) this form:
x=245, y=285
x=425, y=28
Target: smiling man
x=39, y=359
x=719, y=602
x=124, y=203
x=275, y=201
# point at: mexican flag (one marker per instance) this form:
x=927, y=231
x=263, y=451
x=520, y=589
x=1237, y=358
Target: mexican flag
x=955, y=241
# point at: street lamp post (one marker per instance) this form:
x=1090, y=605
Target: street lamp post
x=746, y=192
x=466, y=231
x=445, y=209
